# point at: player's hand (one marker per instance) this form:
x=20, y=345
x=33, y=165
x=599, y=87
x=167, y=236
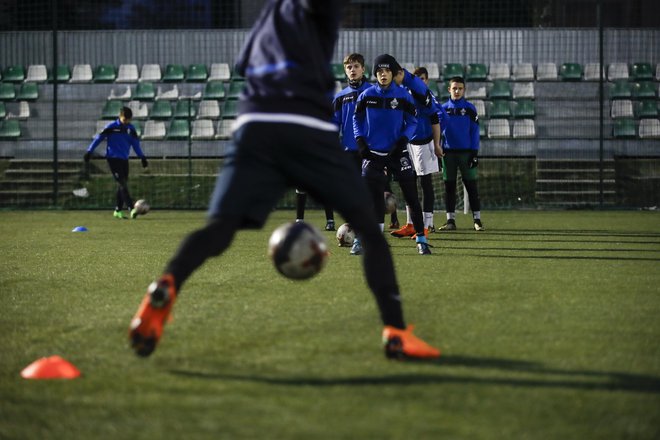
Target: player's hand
x=87, y=156
x=363, y=148
x=399, y=146
x=145, y=163
x=473, y=162
x=439, y=151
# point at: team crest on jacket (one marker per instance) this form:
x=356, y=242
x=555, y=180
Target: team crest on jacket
x=394, y=104
x=405, y=163
x=463, y=112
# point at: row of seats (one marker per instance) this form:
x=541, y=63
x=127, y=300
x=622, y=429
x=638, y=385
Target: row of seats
x=149, y=91
x=22, y=92
x=163, y=109
x=629, y=128
x=625, y=108
x=180, y=129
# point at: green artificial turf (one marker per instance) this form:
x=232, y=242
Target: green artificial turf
x=549, y=323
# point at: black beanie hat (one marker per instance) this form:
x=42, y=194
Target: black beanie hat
x=388, y=62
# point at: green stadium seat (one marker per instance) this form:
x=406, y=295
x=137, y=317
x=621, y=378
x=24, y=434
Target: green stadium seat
x=482, y=129
x=236, y=76
x=499, y=109
x=10, y=129
x=28, y=91
x=524, y=109
x=433, y=87
x=197, y=73
x=214, y=90
x=570, y=72
x=338, y=71
x=145, y=91
x=621, y=89
x=452, y=69
x=641, y=72
x=185, y=109
x=235, y=88
x=7, y=92
x=111, y=109
x=174, y=73
x=179, y=130
x=624, y=128
x=230, y=109
x=13, y=73
x=647, y=109
x=643, y=90
x=105, y=73
x=367, y=72
x=63, y=74
x=443, y=91
x=138, y=127
x=3, y=110
x=500, y=90
x=476, y=72
x=161, y=110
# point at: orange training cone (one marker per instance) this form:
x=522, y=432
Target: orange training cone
x=53, y=367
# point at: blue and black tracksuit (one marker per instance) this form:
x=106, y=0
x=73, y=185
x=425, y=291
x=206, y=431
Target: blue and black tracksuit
x=427, y=111
x=344, y=109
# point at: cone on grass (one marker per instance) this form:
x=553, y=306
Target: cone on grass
x=53, y=367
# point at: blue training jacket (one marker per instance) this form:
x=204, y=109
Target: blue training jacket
x=120, y=139
x=460, y=125
x=344, y=106
x=427, y=108
x=382, y=116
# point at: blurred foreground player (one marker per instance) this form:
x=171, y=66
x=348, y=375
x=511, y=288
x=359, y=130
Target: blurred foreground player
x=283, y=138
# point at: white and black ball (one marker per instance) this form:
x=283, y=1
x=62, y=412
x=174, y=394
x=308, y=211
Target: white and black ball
x=345, y=235
x=390, y=203
x=141, y=207
x=298, y=250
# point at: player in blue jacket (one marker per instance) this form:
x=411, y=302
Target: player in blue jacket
x=120, y=136
x=460, y=133
x=284, y=138
x=384, y=121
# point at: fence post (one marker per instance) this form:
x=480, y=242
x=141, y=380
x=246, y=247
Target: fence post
x=55, y=86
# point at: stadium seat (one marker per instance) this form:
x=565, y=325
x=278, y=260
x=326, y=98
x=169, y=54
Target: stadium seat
x=524, y=128
x=224, y=129
x=23, y=111
x=649, y=129
x=208, y=109
x=184, y=109
x=111, y=109
x=647, y=109
x=500, y=90
x=174, y=73
x=621, y=108
x=138, y=127
x=128, y=73
x=10, y=129
x=641, y=72
x=202, y=129
x=105, y=73
x=499, y=71
x=522, y=72
x=482, y=130
x=592, y=72
x=621, y=89
x=82, y=73
x=121, y=92
x=170, y=94
x=28, y=91
x=236, y=76
x=433, y=87
x=230, y=109
x=657, y=72
x=15, y=73
x=433, y=69
x=7, y=92
x=145, y=91
x=480, y=106
x=476, y=72
x=475, y=92
x=624, y=128
x=197, y=73
x=140, y=110
x=452, y=69
x=523, y=109
x=150, y=73
x=179, y=129
x=499, y=109
x=219, y=72
x=499, y=129
x=616, y=71
x=37, y=73
x=570, y=72
x=410, y=67
x=63, y=74
x=100, y=125
x=338, y=71
x=546, y=72
x=214, y=90
x=643, y=90
x=161, y=110
x=3, y=110
x=235, y=88
x=443, y=92
x=154, y=130
x=523, y=90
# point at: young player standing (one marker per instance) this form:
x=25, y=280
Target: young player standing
x=284, y=137
x=121, y=136
x=384, y=121
x=460, y=130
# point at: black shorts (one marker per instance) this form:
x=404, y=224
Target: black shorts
x=400, y=167
x=118, y=168
x=267, y=158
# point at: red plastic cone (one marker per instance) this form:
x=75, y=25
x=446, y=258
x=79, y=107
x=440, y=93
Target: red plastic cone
x=53, y=367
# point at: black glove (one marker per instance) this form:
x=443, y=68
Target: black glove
x=399, y=146
x=144, y=162
x=87, y=156
x=363, y=148
x=473, y=162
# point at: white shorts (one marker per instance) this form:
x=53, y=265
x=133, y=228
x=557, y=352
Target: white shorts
x=424, y=158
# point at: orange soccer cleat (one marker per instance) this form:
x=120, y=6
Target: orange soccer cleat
x=147, y=324
x=402, y=344
x=406, y=231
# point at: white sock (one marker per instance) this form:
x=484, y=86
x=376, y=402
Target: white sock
x=451, y=216
x=408, y=216
x=428, y=219
x=382, y=227
x=476, y=215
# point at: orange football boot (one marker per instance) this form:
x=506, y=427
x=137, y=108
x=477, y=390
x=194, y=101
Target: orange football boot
x=402, y=344
x=406, y=231
x=147, y=324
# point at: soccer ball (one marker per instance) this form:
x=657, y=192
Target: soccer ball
x=390, y=203
x=141, y=207
x=298, y=250
x=345, y=235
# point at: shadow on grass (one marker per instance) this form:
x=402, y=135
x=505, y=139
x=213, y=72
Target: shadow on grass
x=544, y=377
